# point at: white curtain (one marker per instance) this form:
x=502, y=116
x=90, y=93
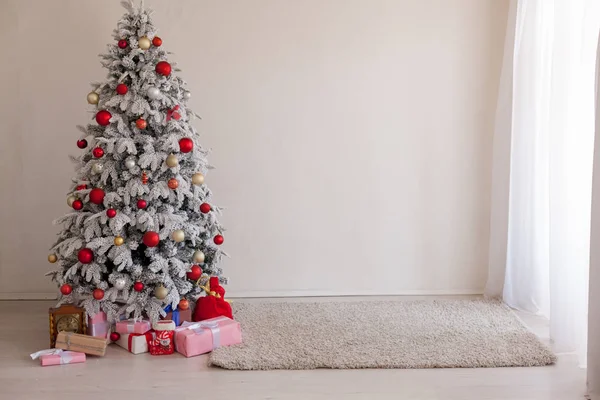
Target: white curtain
x=543, y=167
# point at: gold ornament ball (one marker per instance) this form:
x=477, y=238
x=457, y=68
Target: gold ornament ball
x=178, y=235
x=161, y=292
x=70, y=200
x=144, y=43
x=52, y=258
x=93, y=98
x=172, y=161
x=198, y=257
x=198, y=179
x=119, y=241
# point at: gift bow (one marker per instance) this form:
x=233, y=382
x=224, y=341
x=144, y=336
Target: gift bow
x=200, y=329
x=65, y=356
x=211, y=292
x=172, y=113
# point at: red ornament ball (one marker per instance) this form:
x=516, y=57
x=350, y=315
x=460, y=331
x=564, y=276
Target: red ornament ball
x=111, y=213
x=183, y=304
x=77, y=205
x=173, y=183
x=205, y=208
x=97, y=196
x=195, y=273
x=122, y=43
x=98, y=152
x=219, y=239
x=151, y=239
x=141, y=123
x=138, y=286
x=98, y=294
x=66, y=289
x=141, y=204
x=122, y=88
x=85, y=255
x=103, y=117
x=114, y=336
x=186, y=145
x=163, y=68
x=81, y=187
x=82, y=144
x=156, y=41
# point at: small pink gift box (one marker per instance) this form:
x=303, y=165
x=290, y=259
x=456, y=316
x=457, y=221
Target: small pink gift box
x=195, y=338
x=58, y=357
x=98, y=325
x=131, y=326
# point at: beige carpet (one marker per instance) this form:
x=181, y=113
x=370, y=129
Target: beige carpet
x=381, y=334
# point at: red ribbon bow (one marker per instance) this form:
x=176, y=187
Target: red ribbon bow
x=172, y=113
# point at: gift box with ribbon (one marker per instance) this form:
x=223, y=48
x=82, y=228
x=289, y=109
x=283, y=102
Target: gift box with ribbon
x=81, y=343
x=58, y=357
x=98, y=325
x=136, y=343
x=195, y=338
x=132, y=326
x=178, y=316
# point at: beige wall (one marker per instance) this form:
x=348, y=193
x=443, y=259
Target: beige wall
x=352, y=137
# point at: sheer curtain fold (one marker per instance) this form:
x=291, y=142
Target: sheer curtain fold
x=547, y=196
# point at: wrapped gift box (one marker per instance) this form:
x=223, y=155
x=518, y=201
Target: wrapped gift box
x=132, y=326
x=81, y=343
x=135, y=343
x=192, y=339
x=98, y=325
x=178, y=316
x=58, y=357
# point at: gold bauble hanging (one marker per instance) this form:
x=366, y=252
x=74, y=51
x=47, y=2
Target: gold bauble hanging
x=144, y=43
x=178, y=235
x=70, y=200
x=198, y=257
x=198, y=179
x=119, y=240
x=93, y=98
x=161, y=292
x=52, y=258
x=172, y=161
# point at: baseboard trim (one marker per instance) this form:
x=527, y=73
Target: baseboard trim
x=286, y=293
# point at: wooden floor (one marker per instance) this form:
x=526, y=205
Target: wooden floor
x=121, y=375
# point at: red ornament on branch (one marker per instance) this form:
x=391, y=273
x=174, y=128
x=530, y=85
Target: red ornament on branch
x=98, y=152
x=98, y=294
x=156, y=41
x=151, y=239
x=186, y=145
x=219, y=239
x=77, y=205
x=103, y=117
x=141, y=123
x=122, y=89
x=195, y=273
x=205, y=208
x=66, y=289
x=122, y=44
x=173, y=183
x=183, y=304
x=163, y=68
x=82, y=144
x=111, y=213
x=81, y=187
x=144, y=178
x=97, y=196
x=85, y=255
x=172, y=113
x=141, y=204
x=138, y=286
x=114, y=336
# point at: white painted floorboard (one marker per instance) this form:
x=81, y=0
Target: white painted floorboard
x=120, y=375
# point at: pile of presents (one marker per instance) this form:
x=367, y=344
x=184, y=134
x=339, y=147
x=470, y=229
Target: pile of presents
x=211, y=326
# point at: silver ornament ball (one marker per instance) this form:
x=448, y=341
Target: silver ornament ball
x=120, y=283
x=153, y=92
x=97, y=168
x=198, y=257
x=178, y=235
x=129, y=163
x=187, y=95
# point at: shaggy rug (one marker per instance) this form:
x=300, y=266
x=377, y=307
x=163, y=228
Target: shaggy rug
x=380, y=334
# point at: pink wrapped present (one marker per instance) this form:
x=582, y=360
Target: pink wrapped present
x=98, y=325
x=195, y=338
x=58, y=357
x=131, y=326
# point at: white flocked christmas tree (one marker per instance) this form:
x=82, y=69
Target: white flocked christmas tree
x=142, y=233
